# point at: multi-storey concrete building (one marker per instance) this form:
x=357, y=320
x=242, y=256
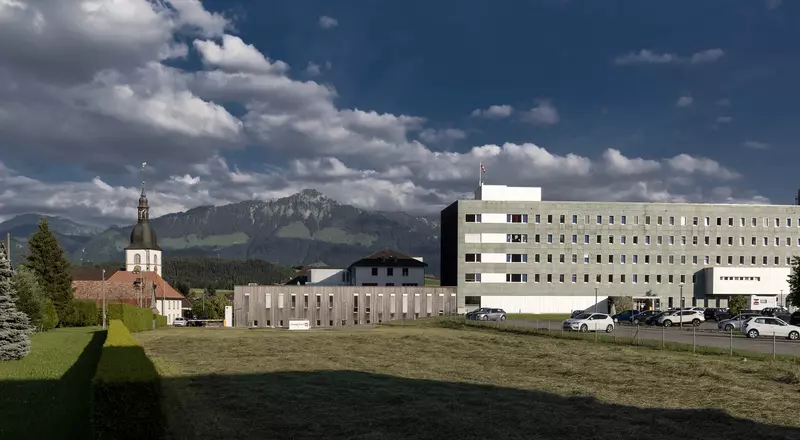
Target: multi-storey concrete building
x=508, y=248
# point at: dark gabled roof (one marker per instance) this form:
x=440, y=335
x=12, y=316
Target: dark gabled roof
x=388, y=258
x=90, y=273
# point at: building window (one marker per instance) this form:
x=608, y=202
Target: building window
x=695, y=221
x=660, y=240
x=517, y=218
x=658, y=279
x=374, y=271
x=635, y=239
x=574, y=219
x=574, y=258
x=635, y=259
x=473, y=218
x=516, y=278
x=647, y=259
x=658, y=221
x=694, y=240
x=561, y=258
x=472, y=277
x=549, y=258
x=647, y=219
x=549, y=219
x=707, y=221
x=598, y=278
x=658, y=259
x=671, y=240
x=586, y=278
x=537, y=238
x=574, y=278
x=137, y=259
x=549, y=238
x=753, y=260
x=574, y=239
x=610, y=278
x=537, y=219
x=610, y=259
x=536, y=278
x=623, y=220
x=599, y=219
x=599, y=258
x=670, y=279
x=788, y=223
x=730, y=260
x=599, y=239
x=405, y=269
x=610, y=219
x=585, y=239
x=742, y=222
x=622, y=278
x=672, y=259
x=622, y=259
x=390, y=271
x=647, y=279
x=646, y=239
x=561, y=239
x=635, y=278
x=561, y=278
x=536, y=258
x=622, y=239
x=777, y=260
x=561, y=219
x=730, y=221
x=586, y=258
x=610, y=239
x=549, y=278
x=517, y=238
x=672, y=221
x=471, y=258
x=694, y=259
x=516, y=258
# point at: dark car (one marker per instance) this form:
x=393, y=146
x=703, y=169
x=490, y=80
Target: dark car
x=624, y=316
x=640, y=318
x=794, y=319
x=716, y=314
x=653, y=319
x=487, y=314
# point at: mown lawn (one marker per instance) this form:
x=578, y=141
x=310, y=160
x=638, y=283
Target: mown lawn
x=434, y=383
x=46, y=395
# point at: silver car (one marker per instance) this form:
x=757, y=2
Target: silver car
x=735, y=323
x=487, y=314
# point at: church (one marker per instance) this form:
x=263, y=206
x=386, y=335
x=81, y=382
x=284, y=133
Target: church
x=139, y=283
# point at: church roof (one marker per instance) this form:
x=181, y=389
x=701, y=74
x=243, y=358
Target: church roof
x=163, y=289
x=143, y=236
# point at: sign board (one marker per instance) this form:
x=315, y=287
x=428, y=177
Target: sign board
x=299, y=324
x=228, y=316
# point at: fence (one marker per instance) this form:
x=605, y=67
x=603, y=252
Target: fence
x=694, y=339
x=333, y=306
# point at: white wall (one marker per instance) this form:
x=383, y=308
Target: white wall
x=364, y=275
x=472, y=238
x=766, y=280
x=508, y=193
x=491, y=257
x=494, y=218
x=150, y=261
x=493, y=277
x=488, y=237
x=545, y=304
x=172, y=311
x=328, y=277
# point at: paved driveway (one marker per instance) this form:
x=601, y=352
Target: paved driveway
x=706, y=334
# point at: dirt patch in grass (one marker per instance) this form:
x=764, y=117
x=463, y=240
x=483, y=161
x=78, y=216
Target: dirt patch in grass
x=425, y=382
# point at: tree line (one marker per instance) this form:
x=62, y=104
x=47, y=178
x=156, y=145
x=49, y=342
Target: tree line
x=213, y=273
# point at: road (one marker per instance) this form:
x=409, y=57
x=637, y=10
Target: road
x=705, y=335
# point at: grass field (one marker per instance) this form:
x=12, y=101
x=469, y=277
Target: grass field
x=47, y=394
x=421, y=382
x=430, y=282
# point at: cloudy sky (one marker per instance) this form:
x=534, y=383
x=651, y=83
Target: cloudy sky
x=393, y=105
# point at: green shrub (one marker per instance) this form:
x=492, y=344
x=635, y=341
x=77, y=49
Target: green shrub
x=136, y=319
x=49, y=316
x=83, y=313
x=161, y=321
x=125, y=389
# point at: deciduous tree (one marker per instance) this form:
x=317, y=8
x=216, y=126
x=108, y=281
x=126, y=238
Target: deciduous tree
x=30, y=296
x=737, y=304
x=794, y=283
x=14, y=327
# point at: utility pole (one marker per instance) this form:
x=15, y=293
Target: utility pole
x=104, y=301
x=595, y=299
x=681, y=307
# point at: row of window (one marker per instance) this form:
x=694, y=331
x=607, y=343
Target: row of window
x=740, y=278
x=660, y=240
x=137, y=259
x=598, y=278
x=389, y=271
x=623, y=259
x=659, y=220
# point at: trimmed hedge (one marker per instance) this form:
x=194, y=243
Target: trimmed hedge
x=136, y=319
x=125, y=390
x=161, y=321
x=83, y=313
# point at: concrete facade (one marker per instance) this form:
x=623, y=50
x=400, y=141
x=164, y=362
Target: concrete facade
x=388, y=276
x=569, y=249
x=334, y=306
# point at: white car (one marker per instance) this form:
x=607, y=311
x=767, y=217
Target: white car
x=590, y=322
x=179, y=322
x=768, y=326
x=682, y=316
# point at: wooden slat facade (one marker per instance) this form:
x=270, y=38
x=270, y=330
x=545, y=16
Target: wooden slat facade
x=333, y=306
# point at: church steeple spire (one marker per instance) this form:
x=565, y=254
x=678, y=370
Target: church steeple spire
x=144, y=209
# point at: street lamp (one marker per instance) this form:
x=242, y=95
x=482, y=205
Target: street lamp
x=681, y=307
x=595, y=299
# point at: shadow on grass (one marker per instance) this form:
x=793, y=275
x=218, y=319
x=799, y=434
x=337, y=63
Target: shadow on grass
x=53, y=409
x=335, y=405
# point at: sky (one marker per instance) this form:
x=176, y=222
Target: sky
x=393, y=105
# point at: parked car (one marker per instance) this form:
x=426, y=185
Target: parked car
x=590, y=322
x=716, y=314
x=179, y=322
x=653, y=320
x=625, y=315
x=682, y=316
x=795, y=318
x=576, y=313
x=735, y=323
x=487, y=314
x=640, y=318
x=769, y=326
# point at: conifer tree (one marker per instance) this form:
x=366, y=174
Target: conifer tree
x=14, y=328
x=46, y=259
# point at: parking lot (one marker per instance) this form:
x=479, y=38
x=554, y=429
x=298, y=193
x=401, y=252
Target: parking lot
x=706, y=335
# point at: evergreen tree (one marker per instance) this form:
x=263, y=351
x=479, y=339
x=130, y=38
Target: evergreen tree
x=14, y=329
x=794, y=283
x=46, y=259
x=30, y=296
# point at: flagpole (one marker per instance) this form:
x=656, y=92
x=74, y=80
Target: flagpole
x=480, y=174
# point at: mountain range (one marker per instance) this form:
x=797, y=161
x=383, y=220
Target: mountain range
x=301, y=229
